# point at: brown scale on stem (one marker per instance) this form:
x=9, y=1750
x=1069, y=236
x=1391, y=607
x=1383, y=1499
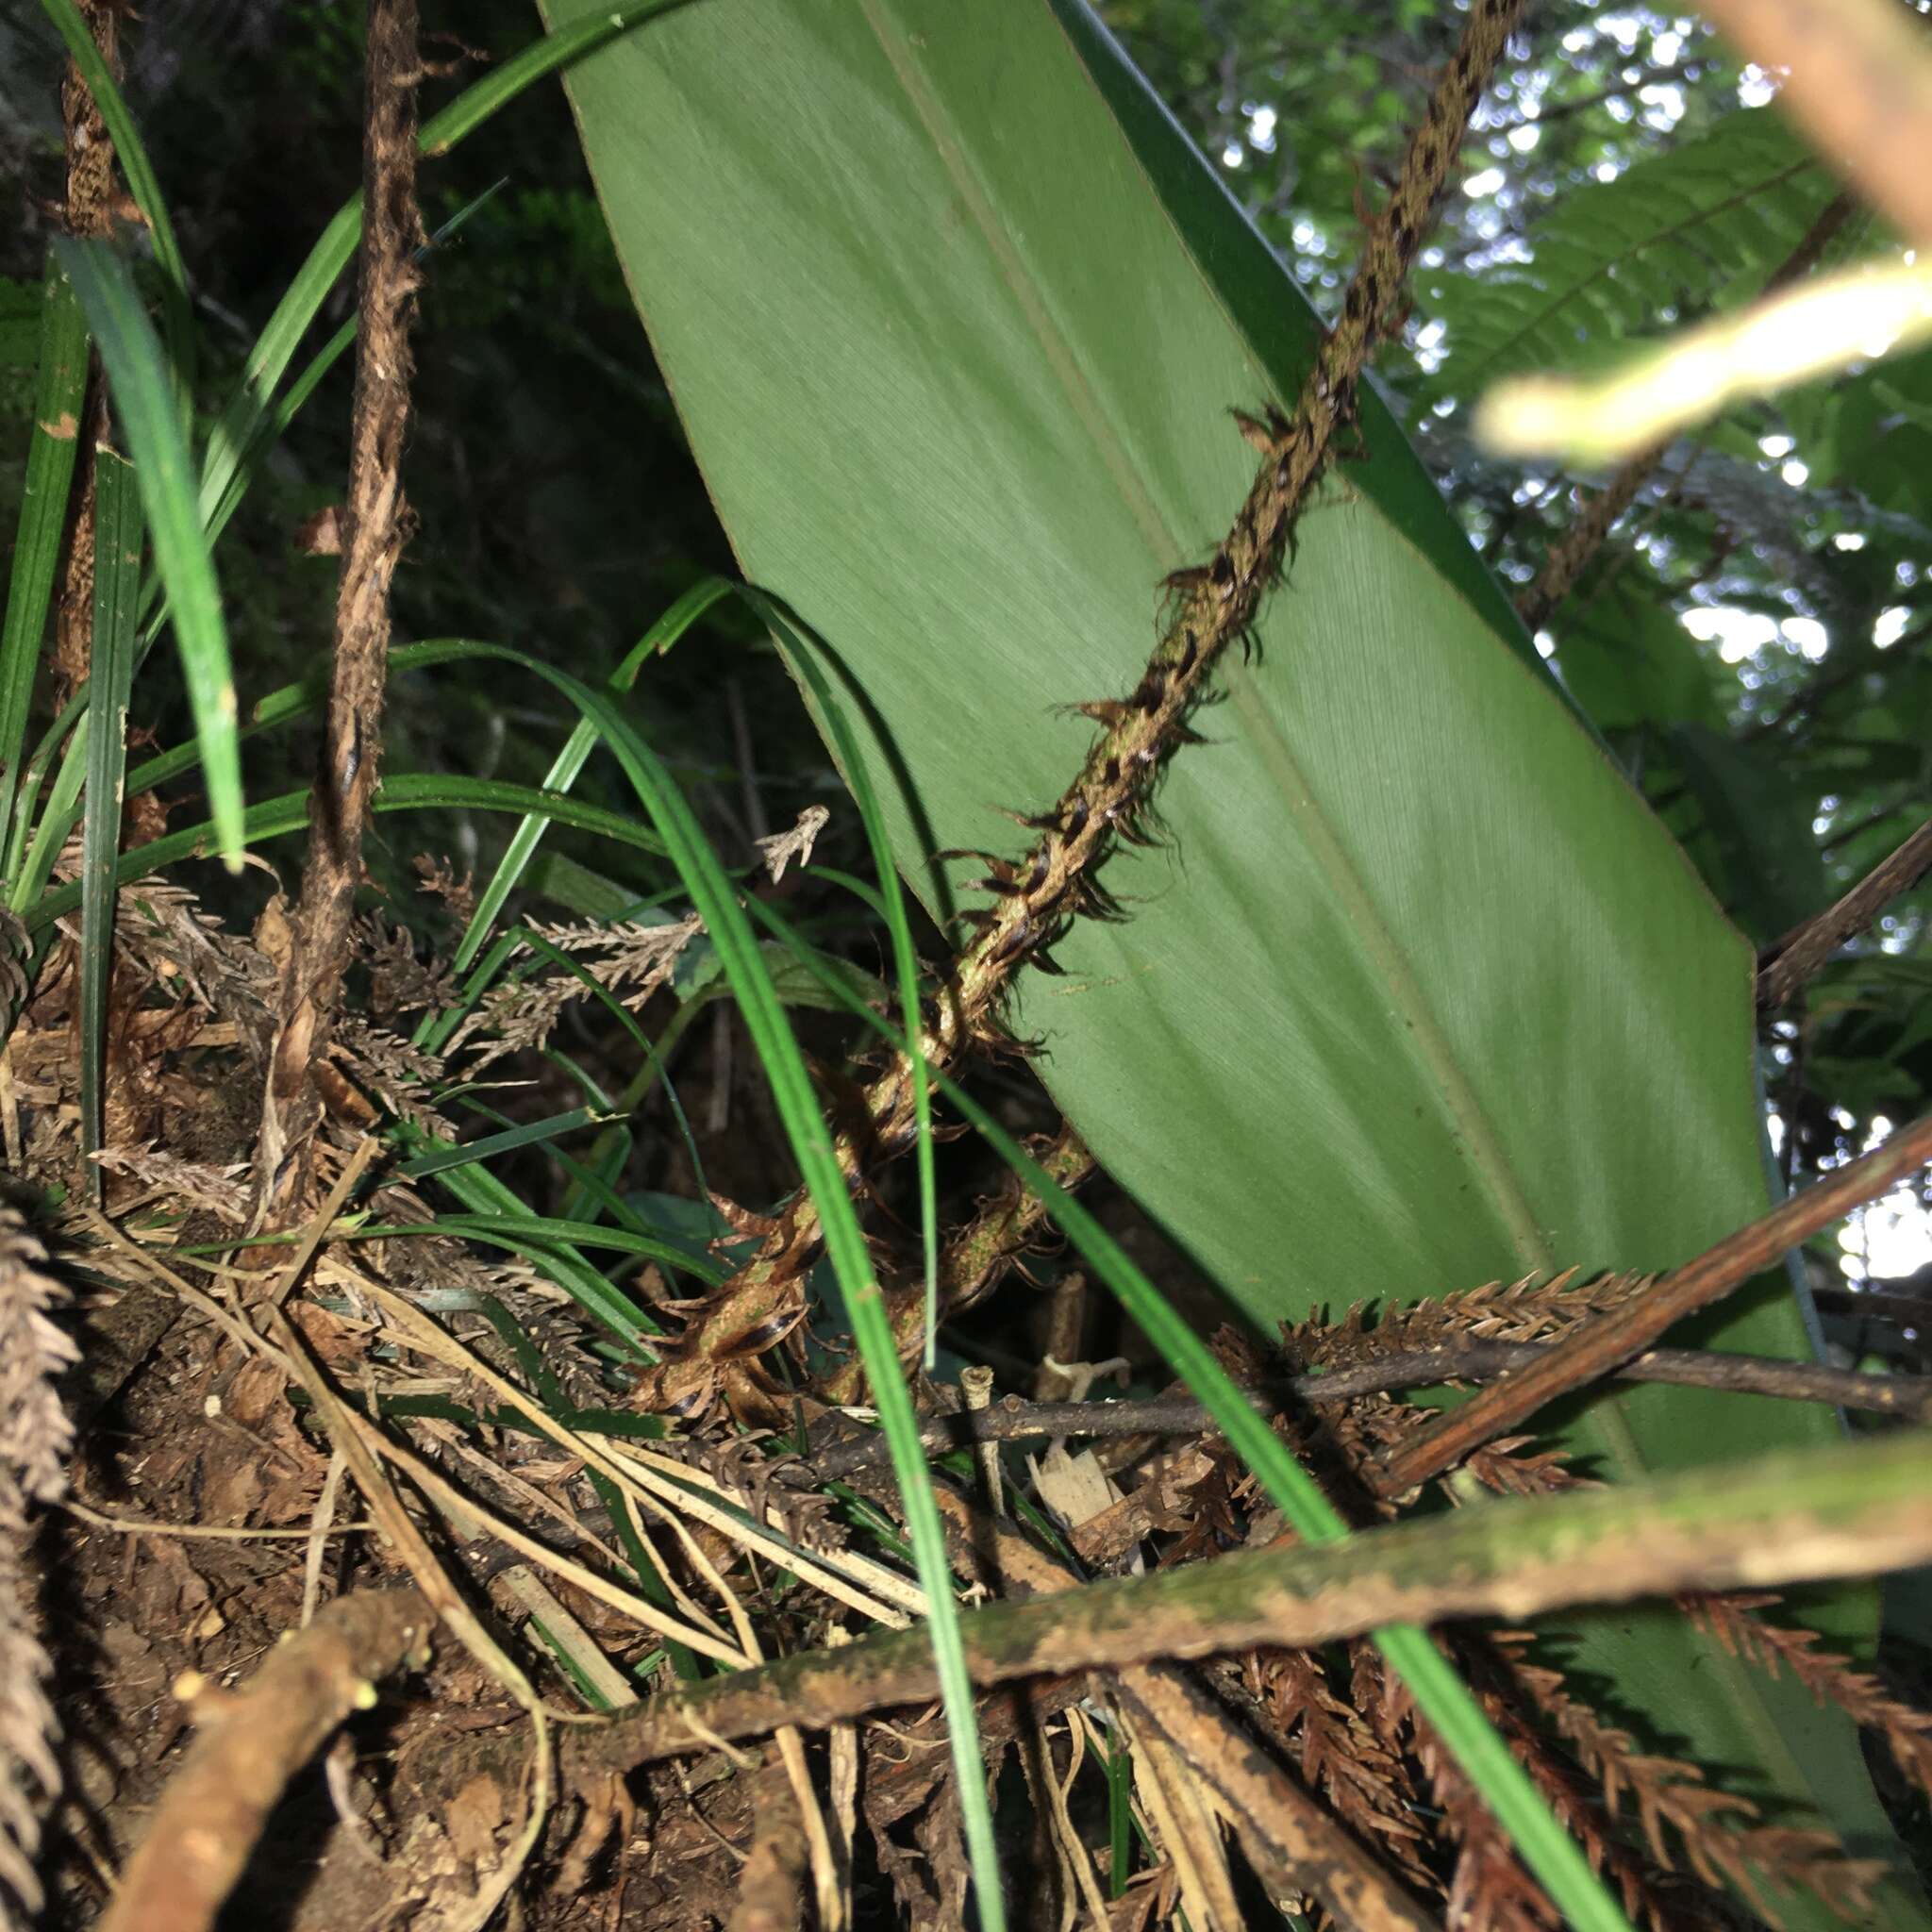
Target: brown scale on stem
x=1208, y=609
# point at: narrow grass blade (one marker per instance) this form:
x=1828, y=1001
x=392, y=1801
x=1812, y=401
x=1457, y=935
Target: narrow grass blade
x=571, y=760
x=177, y=315
x=541, y=1228
x=60, y=393
x=499, y=1219
x=276, y=817
x=717, y=902
x=802, y=656
x=585, y=1182
x=1442, y=1696
x=117, y=587
x=72, y=717
x=585, y=1234
x=531, y=1134
x=271, y=425
x=290, y=701
x=58, y=821
x=151, y=429
x=652, y=1068
x=221, y=500
x=302, y=300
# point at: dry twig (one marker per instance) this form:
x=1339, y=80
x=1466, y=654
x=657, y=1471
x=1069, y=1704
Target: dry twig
x=1610, y=1340
x=1848, y=1511
x=251, y=1744
x=1011, y=1420
x=320, y=942
x=1790, y=961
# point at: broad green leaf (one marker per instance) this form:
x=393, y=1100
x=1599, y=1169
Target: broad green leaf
x=1420, y=993
x=1628, y=661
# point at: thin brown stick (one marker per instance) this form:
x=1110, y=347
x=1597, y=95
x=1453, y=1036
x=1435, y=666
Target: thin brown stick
x=1569, y=557
x=1605, y=1344
x=93, y=198
x=1292, y=1842
x=374, y=529
x=1789, y=962
x=1859, y=81
x=1908, y=1310
x=1572, y=551
x=215, y=1807
x=1212, y=606
x=1849, y=1510
x=980, y=1255
x=770, y=1885
x=1012, y=1419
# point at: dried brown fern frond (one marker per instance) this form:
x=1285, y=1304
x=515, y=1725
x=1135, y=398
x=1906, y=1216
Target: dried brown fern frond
x=396, y=1071
x=1362, y=1430
x=1652, y=1893
x=15, y=949
x=159, y=927
x=1536, y=1309
x=35, y=1438
x=222, y=1191
x=1733, y=1621
x=512, y=1016
x=399, y=982
x=1339, y=1754
x=631, y=960
x=1489, y=1890
x=438, y=879
x=1719, y=1833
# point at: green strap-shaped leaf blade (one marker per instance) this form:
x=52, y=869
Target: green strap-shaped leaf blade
x=1420, y=995
x=117, y=586
x=60, y=390
x=144, y=404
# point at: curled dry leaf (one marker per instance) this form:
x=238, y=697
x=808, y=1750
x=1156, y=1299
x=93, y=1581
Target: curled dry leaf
x=781, y=848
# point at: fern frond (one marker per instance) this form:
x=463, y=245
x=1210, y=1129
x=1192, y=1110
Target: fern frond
x=1619, y=259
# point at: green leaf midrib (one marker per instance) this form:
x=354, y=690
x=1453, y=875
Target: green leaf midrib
x=1025, y=286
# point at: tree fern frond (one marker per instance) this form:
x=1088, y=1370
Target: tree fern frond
x=1618, y=259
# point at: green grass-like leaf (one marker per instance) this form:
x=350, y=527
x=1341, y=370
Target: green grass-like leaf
x=59, y=393
x=274, y=818
x=570, y=761
x=268, y=361
x=803, y=658
x=117, y=589
x=530, y=1134
x=717, y=902
x=151, y=429
x=1440, y=1693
